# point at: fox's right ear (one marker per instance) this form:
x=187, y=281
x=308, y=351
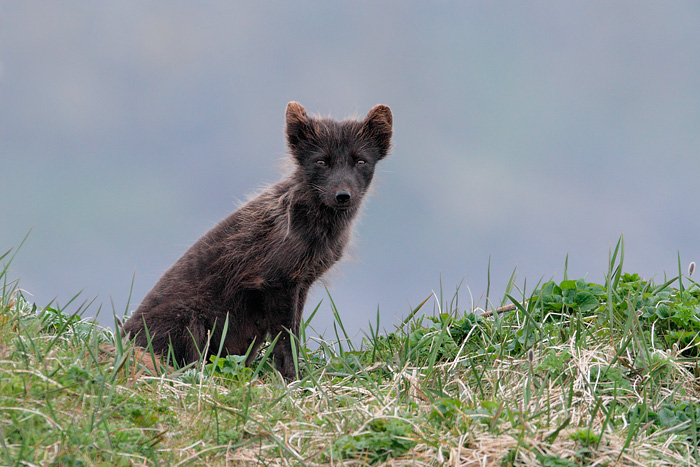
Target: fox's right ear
x=298, y=125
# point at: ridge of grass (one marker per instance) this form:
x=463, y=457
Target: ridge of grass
x=573, y=373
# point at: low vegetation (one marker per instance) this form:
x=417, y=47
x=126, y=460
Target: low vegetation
x=571, y=373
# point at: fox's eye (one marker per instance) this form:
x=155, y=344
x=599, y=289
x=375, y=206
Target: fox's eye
x=360, y=162
x=321, y=162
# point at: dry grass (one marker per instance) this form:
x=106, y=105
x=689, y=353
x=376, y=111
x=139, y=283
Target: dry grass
x=597, y=383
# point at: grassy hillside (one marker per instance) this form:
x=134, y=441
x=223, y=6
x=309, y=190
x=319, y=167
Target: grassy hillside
x=571, y=373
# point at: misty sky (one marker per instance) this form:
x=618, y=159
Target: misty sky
x=524, y=131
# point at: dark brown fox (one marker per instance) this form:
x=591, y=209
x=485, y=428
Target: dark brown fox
x=255, y=268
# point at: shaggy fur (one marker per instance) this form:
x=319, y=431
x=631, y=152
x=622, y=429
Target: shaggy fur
x=255, y=268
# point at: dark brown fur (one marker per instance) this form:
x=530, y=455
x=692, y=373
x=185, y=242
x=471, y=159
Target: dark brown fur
x=255, y=268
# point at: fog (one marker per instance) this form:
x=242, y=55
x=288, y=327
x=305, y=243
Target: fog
x=524, y=132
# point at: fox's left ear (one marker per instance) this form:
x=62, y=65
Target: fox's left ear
x=377, y=127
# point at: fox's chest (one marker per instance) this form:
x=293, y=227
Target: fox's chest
x=315, y=255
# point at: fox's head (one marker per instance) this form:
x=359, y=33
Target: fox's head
x=337, y=159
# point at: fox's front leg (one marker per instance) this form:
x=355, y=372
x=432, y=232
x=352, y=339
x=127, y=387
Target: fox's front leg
x=285, y=306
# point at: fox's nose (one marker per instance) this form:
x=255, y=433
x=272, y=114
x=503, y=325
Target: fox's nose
x=342, y=196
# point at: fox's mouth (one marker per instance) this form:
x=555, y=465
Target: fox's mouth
x=342, y=207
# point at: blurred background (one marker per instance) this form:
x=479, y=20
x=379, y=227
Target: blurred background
x=524, y=131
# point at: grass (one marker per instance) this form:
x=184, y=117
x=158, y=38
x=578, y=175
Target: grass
x=572, y=373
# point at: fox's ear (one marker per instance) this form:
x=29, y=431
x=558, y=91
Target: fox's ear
x=378, y=127
x=298, y=127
